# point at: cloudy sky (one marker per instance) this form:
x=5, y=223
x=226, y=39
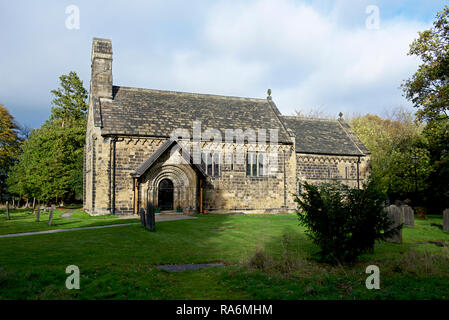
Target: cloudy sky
x=325, y=55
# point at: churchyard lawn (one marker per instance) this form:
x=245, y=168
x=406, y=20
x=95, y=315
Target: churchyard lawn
x=22, y=220
x=265, y=257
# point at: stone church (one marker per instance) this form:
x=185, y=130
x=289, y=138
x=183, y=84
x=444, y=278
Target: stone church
x=131, y=156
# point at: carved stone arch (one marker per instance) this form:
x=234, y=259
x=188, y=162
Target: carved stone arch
x=184, y=182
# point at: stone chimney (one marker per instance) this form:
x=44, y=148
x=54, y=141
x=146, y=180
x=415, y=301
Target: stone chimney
x=101, y=79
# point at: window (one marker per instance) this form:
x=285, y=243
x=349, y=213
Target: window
x=216, y=165
x=255, y=165
x=211, y=163
x=230, y=161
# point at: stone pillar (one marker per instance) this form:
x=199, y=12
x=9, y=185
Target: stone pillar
x=101, y=80
x=446, y=220
x=395, y=215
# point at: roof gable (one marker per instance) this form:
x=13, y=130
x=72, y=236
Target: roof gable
x=168, y=145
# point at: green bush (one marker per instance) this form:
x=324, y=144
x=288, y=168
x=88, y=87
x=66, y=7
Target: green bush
x=342, y=221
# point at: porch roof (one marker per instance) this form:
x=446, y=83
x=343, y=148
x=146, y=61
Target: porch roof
x=159, y=152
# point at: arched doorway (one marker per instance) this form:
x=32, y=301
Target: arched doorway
x=165, y=194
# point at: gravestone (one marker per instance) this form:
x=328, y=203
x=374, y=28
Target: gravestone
x=38, y=213
x=7, y=210
x=409, y=216
x=395, y=215
x=50, y=218
x=446, y=220
x=142, y=216
x=150, y=218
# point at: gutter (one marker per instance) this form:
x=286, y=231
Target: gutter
x=358, y=173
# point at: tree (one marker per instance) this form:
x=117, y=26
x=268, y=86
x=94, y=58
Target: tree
x=436, y=135
x=51, y=165
x=393, y=143
x=70, y=100
x=343, y=222
x=428, y=88
x=10, y=143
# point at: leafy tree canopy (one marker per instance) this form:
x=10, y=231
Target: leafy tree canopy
x=10, y=143
x=70, y=99
x=343, y=222
x=393, y=143
x=51, y=165
x=428, y=88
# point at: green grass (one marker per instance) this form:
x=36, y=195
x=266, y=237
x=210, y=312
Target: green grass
x=119, y=263
x=22, y=220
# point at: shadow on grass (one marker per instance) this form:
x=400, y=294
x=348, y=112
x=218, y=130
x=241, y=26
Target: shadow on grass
x=284, y=268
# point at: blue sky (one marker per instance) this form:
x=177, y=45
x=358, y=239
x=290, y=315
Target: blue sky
x=312, y=54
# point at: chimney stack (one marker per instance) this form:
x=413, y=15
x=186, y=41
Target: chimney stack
x=101, y=79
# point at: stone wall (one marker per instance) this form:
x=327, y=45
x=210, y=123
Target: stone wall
x=232, y=190
x=326, y=168
x=131, y=153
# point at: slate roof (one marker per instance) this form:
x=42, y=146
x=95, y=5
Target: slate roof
x=156, y=113
x=147, y=112
x=322, y=136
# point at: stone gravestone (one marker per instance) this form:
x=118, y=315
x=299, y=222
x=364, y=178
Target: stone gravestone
x=7, y=210
x=50, y=218
x=142, y=216
x=446, y=220
x=395, y=215
x=150, y=218
x=38, y=213
x=409, y=216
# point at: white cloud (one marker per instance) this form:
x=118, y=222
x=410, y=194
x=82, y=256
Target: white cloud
x=317, y=61
x=310, y=55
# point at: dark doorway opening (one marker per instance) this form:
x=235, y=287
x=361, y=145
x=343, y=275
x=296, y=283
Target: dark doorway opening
x=165, y=194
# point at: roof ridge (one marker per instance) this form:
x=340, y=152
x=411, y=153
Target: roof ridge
x=311, y=118
x=192, y=93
